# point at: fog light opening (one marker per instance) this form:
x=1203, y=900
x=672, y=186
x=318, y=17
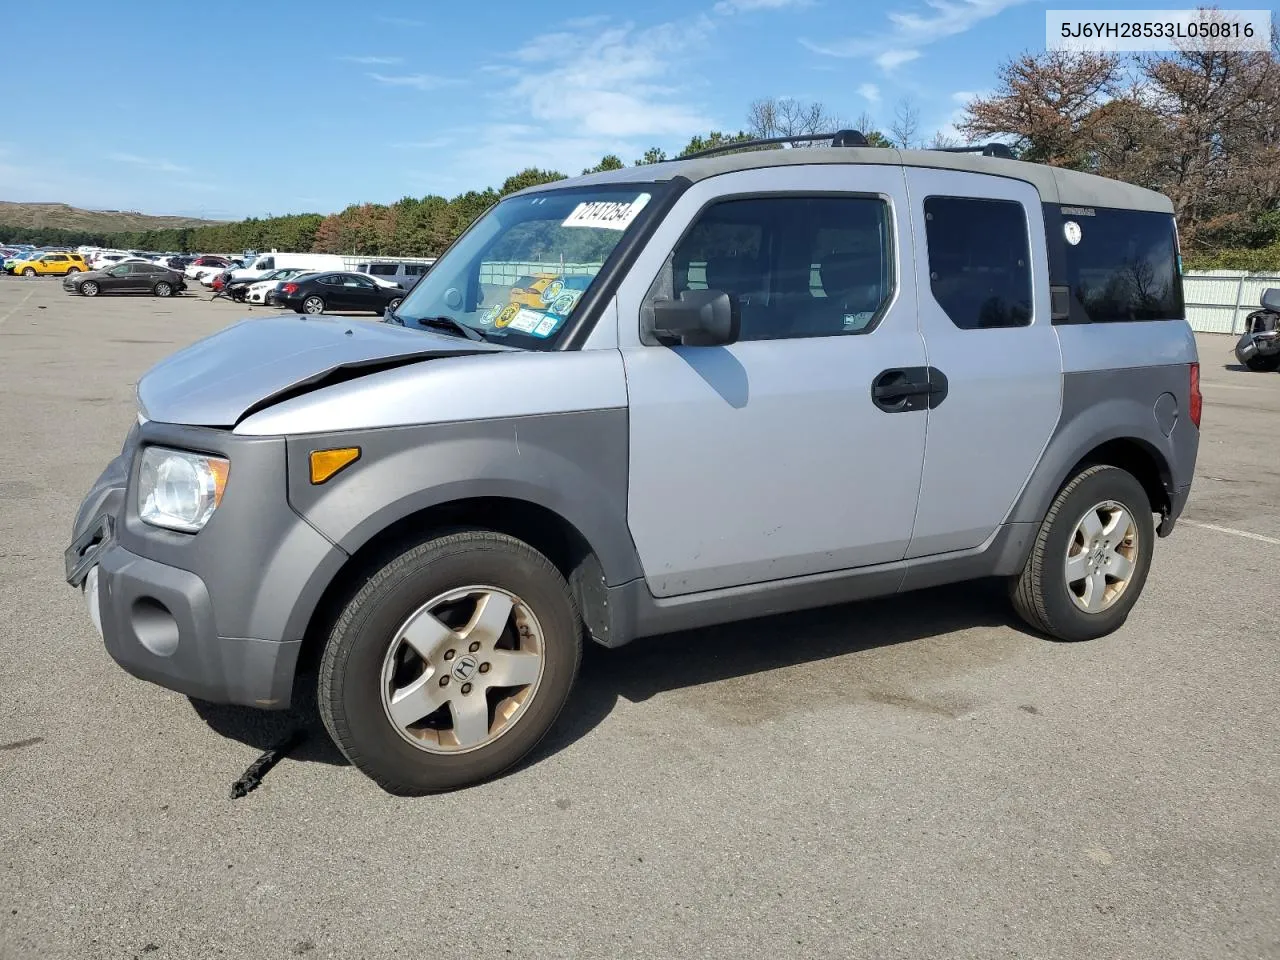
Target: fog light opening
x=155, y=627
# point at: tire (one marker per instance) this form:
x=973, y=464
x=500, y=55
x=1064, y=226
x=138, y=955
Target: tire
x=29, y=272
x=359, y=669
x=1043, y=595
x=71, y=270
x=163, y=289
x=395, y=304
x=89, y=288
x=312, y=305
x=1264, y=364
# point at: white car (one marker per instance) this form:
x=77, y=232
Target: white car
x=260, y=291
x=108, y=258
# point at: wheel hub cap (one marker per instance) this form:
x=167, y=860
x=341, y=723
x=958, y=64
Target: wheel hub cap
x=462, y=669
x=1102, y=555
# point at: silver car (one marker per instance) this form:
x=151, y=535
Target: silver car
x=649, y=400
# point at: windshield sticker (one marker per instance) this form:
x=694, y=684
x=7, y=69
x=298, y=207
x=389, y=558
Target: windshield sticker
x=547, y=326
x=551, y=291
x=564, y=303
x=526, y=320
x=507, y=315
x=606, y=213
x=1072, y=231
x=491, y=315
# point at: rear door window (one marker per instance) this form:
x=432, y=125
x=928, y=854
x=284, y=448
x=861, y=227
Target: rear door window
x=979, y=261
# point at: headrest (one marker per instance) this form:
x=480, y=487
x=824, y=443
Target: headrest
x=843, y=273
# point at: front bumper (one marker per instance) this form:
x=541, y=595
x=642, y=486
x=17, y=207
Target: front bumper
x=220, y=615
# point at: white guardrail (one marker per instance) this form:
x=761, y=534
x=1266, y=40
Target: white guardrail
x=1219, y=300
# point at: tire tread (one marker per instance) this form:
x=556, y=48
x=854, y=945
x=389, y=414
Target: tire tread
x=332, y=675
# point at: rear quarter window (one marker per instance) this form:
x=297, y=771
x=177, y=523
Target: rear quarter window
x=1121, y=265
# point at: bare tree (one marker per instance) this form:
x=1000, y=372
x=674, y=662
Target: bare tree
x=789, y=117
x=906, y=124
x=941, y=140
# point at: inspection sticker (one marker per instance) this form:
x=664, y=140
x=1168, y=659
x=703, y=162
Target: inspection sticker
x=606, y=213
x=526, y=321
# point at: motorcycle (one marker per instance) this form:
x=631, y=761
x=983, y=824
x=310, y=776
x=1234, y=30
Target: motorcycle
x=1259, y=346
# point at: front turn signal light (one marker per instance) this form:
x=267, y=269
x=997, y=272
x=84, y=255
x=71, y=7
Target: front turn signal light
x=325, y=463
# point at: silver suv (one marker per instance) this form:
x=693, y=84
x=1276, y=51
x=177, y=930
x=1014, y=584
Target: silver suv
x=648, y=400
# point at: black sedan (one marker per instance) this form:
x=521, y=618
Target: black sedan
x=132, y=277
x=341, y=291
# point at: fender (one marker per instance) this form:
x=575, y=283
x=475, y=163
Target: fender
x=574, y=465
x=1108, y=405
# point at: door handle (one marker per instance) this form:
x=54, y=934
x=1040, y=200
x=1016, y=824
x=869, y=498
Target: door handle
x=904, y=389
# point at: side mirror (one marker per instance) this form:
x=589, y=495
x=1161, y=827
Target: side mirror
x=700, y=318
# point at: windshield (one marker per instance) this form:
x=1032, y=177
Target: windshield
x=519, y=273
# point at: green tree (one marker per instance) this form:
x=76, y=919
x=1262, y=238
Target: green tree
x=610, y=161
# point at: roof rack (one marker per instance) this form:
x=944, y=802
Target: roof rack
x=986, y=149
x=841, y=138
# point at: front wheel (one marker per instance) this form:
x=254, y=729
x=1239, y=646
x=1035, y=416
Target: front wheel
x=89, y=288
x=451, y=663
x=1090, y=559
x=29, y=272
x=313, y=305
x=164, y=289
x=1264, y=364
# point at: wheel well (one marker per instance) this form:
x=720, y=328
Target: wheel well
x=1138, y=458
x=543, y=529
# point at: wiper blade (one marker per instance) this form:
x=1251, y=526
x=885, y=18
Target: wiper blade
x=448, y=323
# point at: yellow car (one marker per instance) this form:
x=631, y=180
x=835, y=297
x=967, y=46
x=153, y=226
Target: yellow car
x=49, y=265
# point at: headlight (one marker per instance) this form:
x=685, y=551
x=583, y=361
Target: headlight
x=178, y=490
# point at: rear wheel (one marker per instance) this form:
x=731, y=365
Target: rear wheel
x=71, y=270
x=164, y=289
x=89, y=288
x=1090, y=560
x=313, y=305
x=451, y=663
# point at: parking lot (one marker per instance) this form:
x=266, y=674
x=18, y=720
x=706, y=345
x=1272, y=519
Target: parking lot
x=910, y=777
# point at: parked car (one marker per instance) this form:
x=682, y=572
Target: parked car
x=345, y=292
x=259, y=290
x=787, y=386
x=203, y=266
x=133, y=277
x=265, y=263
x=47, y=265
x=403, y=275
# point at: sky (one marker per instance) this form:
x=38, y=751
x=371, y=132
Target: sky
x=292, y=106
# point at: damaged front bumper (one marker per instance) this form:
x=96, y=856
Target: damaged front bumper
x=219, y=616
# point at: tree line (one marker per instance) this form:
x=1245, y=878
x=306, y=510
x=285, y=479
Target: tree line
x=1201, y=127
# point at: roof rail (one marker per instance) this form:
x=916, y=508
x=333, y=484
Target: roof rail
x=841, y=138
x=987, y=150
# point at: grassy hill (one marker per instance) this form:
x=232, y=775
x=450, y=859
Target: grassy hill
x=60, y=216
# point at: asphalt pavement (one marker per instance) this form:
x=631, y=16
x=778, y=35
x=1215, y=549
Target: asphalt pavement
x=913, y=777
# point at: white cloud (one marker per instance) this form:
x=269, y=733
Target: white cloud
x=726, y=7
x=373, y=61
x=615, y=83
x=419, y=81
x=910, y=30
x=870, y=92
x=892, y=59
x=963, y=96
x=149, y=163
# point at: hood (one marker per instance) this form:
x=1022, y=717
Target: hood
x=218, y=381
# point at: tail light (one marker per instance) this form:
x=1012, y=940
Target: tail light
x=290, y=288
x=1197, y=401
